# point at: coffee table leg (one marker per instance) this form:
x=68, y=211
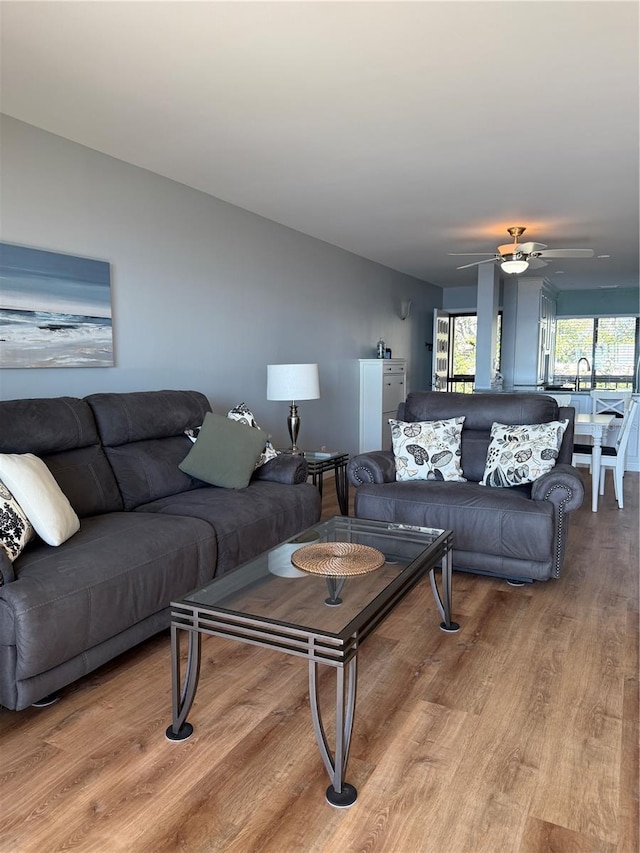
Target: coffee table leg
x=444, y=603
x=342, y=488
x=183, y=700
x=340, y=793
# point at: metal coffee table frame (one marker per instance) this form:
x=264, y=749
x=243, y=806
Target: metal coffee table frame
x=320, y=648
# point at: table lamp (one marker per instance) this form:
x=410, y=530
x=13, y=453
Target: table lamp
x=293, y=382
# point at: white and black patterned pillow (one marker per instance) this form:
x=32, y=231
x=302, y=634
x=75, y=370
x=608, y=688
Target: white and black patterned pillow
x=244, y=415
x=427, y=450
x=519, y=454
x=15, y=528
x=192, y=434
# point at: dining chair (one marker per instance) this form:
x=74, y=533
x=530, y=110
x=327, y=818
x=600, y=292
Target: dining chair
x=612, y=457
x=614, y=402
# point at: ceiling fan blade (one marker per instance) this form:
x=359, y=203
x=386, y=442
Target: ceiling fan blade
x=536, y=263
x=468, y=254
x=528, y=248
x=565, y=253
x=475, y=263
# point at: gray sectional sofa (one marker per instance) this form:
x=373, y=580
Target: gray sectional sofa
x=518, y=533
x=149, y=533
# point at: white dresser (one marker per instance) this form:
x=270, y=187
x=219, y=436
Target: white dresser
x=383, y=386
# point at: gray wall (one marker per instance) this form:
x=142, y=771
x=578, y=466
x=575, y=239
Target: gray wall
x=609, y=302
x=205, y=294
x=612, y=302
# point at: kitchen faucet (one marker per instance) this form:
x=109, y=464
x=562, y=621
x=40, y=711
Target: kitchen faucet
x=580, y=360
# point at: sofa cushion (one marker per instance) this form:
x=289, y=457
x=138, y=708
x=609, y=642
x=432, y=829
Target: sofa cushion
x=427, y=450
x=225, y=453
x=62, y=432
x=147, y=470
x=117, y=570
x=246, y=521
x=42, y=426
x=143, y=434
x=504, y=525
x=520, y=454
x=144, y=415
x=86, y=478
x=39, y=495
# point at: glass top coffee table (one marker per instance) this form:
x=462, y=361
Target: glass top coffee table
x=323, y=617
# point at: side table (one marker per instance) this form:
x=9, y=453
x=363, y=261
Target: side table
x=319, y=462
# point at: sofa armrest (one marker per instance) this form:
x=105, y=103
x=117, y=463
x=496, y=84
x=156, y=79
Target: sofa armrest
x=7, y=573
x=563, y=486
x=375, y=467
x=285, y=468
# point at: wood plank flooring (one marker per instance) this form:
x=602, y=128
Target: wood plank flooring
x=518, y=734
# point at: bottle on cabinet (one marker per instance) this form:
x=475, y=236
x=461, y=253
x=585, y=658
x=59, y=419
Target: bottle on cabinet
x=380, y=348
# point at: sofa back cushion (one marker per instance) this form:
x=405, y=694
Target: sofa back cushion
x=480, y=412
x=62, y=432
x=143, y=436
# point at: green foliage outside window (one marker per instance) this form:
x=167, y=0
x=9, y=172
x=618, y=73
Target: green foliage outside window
x=463, y=357
x=609, y=343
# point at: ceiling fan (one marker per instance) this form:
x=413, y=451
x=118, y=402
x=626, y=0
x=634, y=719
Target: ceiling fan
x=517, y=257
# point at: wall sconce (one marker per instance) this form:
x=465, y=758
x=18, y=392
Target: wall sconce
x=405, y=309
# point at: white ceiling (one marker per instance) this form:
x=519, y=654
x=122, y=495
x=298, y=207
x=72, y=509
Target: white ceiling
x=400, y=131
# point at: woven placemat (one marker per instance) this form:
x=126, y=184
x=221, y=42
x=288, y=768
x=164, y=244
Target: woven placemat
x=337, y=558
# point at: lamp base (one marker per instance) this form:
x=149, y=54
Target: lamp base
x=293, y=424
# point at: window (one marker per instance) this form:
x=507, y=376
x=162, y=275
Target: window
x=610, y=345
x=462, y=360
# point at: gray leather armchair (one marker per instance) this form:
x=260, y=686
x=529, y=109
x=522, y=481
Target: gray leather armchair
x=518, y=533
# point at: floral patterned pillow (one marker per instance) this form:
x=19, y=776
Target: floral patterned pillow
x=427, y=450
x=244, y=415
x=520, y=454
x=15, y=528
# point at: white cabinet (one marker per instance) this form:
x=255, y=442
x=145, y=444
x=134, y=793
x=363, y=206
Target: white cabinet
x=581, y=403
x=383, y=386
x=534, y=311
x=546, y=336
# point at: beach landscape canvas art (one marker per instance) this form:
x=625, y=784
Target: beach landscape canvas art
x=55, y=309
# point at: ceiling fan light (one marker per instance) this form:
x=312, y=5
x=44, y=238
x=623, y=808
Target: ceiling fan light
x=514, y=267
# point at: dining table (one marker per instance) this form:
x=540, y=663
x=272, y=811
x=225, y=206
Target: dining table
x=595, y=426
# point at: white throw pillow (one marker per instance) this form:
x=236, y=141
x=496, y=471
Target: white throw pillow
x=427, y=450
x=41, y=499
x=15, y=528
x=519, y=454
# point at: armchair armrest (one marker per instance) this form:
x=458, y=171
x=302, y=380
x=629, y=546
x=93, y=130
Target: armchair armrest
x=563, y=485
x=285, y=468
x=375, y=467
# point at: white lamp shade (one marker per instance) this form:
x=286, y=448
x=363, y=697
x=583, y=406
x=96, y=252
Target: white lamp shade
x=292, y=382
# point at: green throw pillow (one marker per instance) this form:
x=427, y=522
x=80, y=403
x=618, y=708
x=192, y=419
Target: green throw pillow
x=225, y=453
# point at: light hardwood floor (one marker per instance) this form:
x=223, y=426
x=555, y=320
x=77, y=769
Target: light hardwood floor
x=520, y=733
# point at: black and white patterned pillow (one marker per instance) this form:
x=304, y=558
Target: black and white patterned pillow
x=427, y=450
x=192, y=434
x=15, y=528
x=243, y=414
x=521, y=453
